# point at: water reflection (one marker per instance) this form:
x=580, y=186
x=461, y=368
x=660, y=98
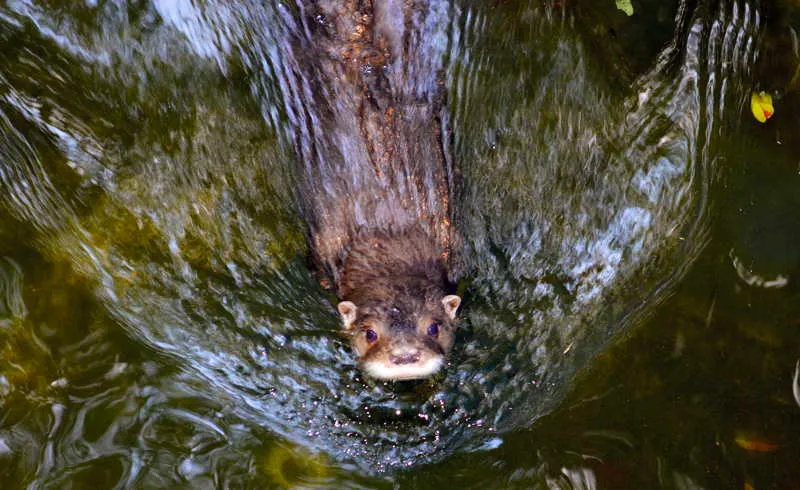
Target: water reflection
x=154, y=148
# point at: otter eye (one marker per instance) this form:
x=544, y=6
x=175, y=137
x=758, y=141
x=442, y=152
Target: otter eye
x=371, y=335
x=433, y=329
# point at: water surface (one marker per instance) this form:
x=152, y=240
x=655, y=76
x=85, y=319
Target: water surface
x=629, y=252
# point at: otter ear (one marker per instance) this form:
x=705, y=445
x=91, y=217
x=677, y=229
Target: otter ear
x=451, y=303
x=348, y=311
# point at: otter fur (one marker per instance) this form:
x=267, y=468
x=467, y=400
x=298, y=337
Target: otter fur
x=397, y=305
x=376, y=186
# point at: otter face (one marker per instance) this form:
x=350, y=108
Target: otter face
x=398, y=342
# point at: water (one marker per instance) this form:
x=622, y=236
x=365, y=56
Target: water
x=621, y=216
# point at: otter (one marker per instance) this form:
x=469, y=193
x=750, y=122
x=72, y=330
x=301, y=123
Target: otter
x=396, y=304
x=376, y=185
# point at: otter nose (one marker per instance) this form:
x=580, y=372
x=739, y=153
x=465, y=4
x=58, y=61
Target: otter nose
x=406, y=356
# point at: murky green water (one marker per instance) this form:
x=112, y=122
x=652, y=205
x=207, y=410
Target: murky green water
x=631, y=304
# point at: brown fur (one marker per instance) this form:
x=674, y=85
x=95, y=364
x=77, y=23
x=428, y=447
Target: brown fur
x=397, y=283
x=394, y=266
x=375, y=183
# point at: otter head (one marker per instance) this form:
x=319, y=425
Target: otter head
x=402, y=341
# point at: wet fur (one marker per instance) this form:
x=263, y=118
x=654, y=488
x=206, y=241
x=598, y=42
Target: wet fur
x=376, y=185
x=407, y=266
x=377, y=167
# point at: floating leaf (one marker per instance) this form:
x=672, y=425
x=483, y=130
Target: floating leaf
x=626, y=6
x=754, y=443
x=761, y=105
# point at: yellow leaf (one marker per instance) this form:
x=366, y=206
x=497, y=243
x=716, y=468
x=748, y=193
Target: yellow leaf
x=761, y=105
x=626, y=6
x=754, y=443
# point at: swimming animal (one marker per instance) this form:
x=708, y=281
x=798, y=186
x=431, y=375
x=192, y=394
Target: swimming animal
x=376, y=185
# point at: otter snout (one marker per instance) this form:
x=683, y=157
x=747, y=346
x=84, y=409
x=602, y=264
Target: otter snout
x=403, y=359
x=404, y=356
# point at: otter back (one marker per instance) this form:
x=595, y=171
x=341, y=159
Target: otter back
x=372, y=154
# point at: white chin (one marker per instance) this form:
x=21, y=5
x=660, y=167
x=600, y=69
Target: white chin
x=382, y=370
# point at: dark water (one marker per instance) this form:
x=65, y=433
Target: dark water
x=631, y=315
